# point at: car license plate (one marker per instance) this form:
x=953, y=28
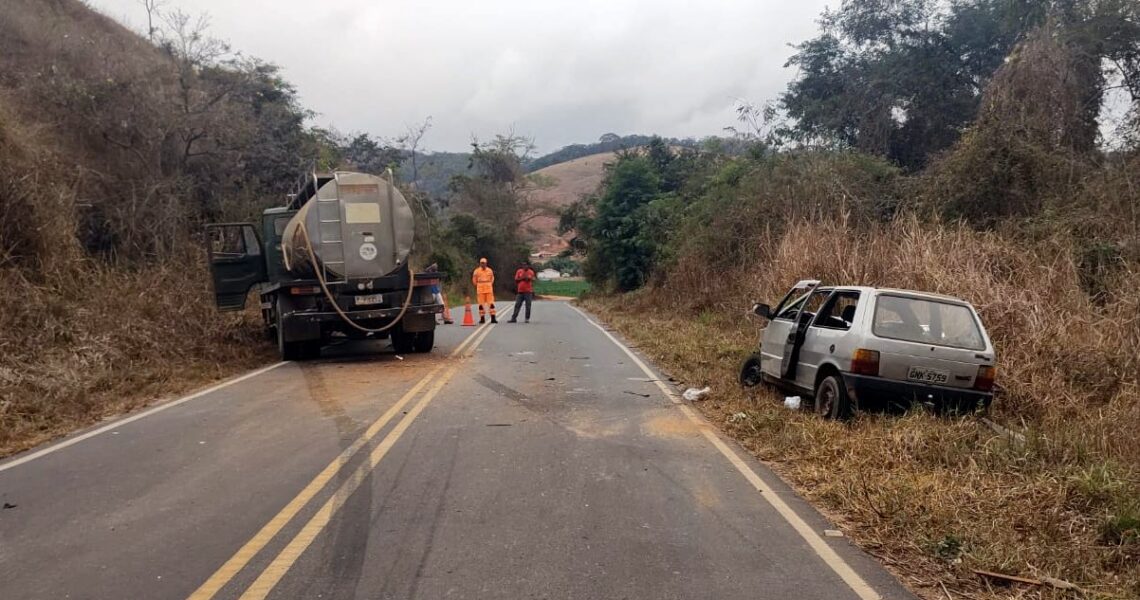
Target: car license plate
x=927, y=375
x=370, y=299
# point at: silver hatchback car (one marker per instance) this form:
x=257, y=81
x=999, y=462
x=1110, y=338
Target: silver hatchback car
x=848, y=346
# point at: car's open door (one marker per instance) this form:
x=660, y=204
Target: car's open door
x=237, y=262
x=798, y=329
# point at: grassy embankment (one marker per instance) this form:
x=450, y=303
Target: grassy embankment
x=936, y=498
x=566, y=288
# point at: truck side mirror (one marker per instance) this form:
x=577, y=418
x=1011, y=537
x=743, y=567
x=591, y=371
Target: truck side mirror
x=762, y=310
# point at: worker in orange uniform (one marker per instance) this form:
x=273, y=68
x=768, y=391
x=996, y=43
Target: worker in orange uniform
x=524, y=282
x=484, y=279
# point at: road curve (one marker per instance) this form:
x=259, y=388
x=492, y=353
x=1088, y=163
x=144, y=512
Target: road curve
x=532, y=460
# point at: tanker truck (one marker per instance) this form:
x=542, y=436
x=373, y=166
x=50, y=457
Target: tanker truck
x=334, y=260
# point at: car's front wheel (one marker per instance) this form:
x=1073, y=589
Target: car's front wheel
x=750, y=373
x=831, y=400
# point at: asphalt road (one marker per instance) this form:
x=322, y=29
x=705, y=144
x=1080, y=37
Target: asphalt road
x=516, y=461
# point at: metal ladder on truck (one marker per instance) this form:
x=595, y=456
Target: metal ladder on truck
x=329, y=237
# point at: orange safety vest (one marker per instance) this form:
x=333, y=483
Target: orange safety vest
x=484, y=280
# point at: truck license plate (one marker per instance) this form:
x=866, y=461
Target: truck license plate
x=927, y=375
x=370, y=299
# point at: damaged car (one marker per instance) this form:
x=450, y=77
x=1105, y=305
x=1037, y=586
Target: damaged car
x=852, y=346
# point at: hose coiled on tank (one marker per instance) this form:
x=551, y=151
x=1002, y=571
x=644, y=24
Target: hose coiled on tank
x=328, y=294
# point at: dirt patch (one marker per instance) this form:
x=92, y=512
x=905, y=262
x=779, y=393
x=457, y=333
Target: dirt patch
x=672, y=424
x=593, y=426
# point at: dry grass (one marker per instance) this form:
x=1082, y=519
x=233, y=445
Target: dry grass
x=84, y=337
x=935, y=498
x=81, y=338
x=106, y=340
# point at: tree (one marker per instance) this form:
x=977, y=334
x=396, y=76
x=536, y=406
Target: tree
x=493, y=202
x=618, y=251
x=153, y=12
x=903, y=78
x=1031, y=140
x=409, y=142
x=368, y=155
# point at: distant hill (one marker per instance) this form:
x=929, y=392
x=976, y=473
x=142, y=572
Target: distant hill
x=608, y=143
x=572, y=180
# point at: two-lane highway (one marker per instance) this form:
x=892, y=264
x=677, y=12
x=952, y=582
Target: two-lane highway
x=540, y=460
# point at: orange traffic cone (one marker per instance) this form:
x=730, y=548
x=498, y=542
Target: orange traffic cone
x=468, y=318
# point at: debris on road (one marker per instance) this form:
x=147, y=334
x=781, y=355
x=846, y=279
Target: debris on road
x=7, y=506
x=792, y=402
x=693, y=394
x=637, y=394
x=398, y=357
x=832, y=533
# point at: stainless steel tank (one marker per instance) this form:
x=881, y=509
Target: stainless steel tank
x=360, y=227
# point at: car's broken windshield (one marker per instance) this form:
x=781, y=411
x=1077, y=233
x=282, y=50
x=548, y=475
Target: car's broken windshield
x=927, y=322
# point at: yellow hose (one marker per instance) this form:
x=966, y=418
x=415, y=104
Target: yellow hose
x=324, y=286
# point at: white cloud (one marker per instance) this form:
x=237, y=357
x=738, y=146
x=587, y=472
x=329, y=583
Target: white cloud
x=561, y=71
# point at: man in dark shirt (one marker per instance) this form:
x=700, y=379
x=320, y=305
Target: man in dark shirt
x=524, y=282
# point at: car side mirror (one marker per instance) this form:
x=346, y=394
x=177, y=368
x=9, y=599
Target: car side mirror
x=762, y=310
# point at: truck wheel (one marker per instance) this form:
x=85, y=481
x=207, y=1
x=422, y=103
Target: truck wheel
x=402, y=342
x=290, y=350
x=424, y=341
x=750, y=374
x=311, y=348
x=831, y=401
x=302, y=350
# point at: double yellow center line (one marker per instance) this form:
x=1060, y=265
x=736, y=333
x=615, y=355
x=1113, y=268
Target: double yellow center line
x=293, y=550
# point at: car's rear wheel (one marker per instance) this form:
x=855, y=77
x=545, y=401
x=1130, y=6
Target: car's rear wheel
x=750, y=373
x=831, y=401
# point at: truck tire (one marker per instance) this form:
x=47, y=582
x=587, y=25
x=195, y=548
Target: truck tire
x=831, y=400
x=289, y=350
x=424, y=341
x=403, y=342
x=295, y=350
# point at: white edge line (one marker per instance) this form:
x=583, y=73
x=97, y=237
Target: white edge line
x=813, y=539
x=135, y=417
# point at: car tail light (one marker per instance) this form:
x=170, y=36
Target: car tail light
x=865, y=362
x=304, y=290
x=985, y=379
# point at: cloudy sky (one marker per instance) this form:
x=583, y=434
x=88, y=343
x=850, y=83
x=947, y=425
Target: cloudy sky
x=559, y=71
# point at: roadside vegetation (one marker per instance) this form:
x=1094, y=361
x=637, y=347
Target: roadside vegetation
x=1011, y=198
x=564, y=288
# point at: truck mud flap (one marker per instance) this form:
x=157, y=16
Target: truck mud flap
x=415, y=323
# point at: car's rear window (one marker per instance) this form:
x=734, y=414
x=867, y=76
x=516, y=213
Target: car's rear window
x=927, y=322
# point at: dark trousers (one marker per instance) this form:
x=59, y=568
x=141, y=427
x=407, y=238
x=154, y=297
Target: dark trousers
x=519, y=299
